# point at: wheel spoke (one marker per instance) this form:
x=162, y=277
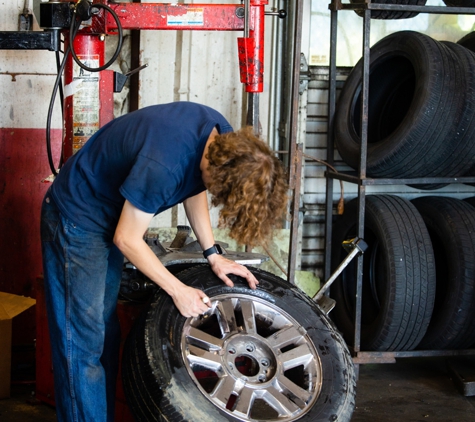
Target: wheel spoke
x=208, y=341
x=275, y=399
x=223, y=390
x=301, y=355
x=248, y=313
x=226, y=317
x=244, y=402
x=204, y=358
x=284, y=337
x=302, y=397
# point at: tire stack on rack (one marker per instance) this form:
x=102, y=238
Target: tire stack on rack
x=421, y=109
x=419, y=271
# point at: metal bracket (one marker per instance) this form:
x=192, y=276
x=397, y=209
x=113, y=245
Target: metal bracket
x=355, y=247
x=120, y=79
x=30, y=40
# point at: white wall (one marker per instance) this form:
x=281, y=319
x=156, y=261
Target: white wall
x=26, y=78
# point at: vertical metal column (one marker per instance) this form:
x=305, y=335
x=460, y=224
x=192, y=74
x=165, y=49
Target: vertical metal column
x=295, y=150
x=362, y=172
x=330, y=141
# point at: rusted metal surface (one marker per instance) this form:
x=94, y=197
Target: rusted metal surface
x=374, y=357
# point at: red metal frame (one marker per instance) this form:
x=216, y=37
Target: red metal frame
x=160, y=16
x=203, y=17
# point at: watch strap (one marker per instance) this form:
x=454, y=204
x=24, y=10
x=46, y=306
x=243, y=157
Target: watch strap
x=215, y=249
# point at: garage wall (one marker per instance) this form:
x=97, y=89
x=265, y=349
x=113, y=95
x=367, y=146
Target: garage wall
x=26, y=80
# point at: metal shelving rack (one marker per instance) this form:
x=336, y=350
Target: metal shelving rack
x=360, y=178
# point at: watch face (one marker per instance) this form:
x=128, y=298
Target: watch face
x=219, y=250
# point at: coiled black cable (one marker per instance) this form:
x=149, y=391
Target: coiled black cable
x=119, y=43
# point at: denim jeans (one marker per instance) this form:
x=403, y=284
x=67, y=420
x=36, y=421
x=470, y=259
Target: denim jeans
x=82, y=272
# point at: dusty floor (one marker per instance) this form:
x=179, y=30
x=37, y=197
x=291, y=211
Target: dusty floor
x=411, y=390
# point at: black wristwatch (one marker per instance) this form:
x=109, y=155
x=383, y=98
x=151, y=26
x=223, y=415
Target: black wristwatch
x=214, y=249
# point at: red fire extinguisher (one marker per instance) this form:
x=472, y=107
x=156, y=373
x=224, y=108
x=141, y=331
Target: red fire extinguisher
x=88, y=86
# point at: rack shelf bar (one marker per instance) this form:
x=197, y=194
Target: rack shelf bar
x=352, y=177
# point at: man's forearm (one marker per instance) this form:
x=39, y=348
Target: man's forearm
x=197, y=211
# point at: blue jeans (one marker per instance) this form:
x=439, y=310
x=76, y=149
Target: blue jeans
x=82, y=272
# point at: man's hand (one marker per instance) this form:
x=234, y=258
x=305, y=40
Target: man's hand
x=222, y=266
x=190, y=302
x=129, y=239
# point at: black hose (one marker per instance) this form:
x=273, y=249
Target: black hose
x=57, y=85
x=119, y=43
x=61, y=99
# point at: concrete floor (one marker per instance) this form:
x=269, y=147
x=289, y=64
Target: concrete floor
x=411, y=390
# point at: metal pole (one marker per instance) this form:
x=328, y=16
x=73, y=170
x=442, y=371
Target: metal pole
x=295, y=150
x=362, y=172
x=330, y=141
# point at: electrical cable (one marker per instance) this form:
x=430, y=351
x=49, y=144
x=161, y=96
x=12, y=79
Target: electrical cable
x=61, y=99
x=119, y=43
x=56, y=86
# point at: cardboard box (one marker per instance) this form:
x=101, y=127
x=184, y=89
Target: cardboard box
x=10, y=306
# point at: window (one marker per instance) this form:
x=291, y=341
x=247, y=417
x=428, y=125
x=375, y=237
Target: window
x=350, y=31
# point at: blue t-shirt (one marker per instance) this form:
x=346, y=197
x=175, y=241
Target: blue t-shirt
x=151, y=157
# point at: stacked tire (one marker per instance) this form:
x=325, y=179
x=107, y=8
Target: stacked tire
x=399, y=277
x=387, y=14
x=451, y=226
x=418, y=274
x=421, y=120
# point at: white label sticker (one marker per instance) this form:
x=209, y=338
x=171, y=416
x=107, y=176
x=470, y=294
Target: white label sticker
x=193, y=17
x=85, y=101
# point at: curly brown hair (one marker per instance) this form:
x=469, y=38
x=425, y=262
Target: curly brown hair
x=250, y=184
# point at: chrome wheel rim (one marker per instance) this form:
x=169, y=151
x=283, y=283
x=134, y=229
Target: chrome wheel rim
x=252, y=360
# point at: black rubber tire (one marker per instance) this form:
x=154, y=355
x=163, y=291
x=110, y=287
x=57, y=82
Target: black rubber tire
x=451, y=225
x=398, y=275
x=460, y=3
x=415, y=102
x=468, y=41
x=470, y=200
x=385, y=14
x=458, y=154
x=158, y=385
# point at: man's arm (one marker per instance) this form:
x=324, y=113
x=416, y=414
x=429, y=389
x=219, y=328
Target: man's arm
x=128, y=238
x=197, y=212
